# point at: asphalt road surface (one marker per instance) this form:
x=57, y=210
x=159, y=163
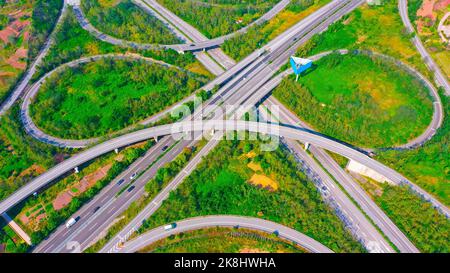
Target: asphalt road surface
x=196, y=223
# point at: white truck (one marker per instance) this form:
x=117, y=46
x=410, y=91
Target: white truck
x=169, y=227
x=71, y=222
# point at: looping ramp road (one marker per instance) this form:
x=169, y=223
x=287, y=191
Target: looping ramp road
x=37, y=133
x=84, y=22
x=32, y=129
x=196, y=223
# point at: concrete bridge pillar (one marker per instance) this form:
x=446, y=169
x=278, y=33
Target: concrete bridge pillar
x=156, y=139
x=116, y=150
x=76, y=170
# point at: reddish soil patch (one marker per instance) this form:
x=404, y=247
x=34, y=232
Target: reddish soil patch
x=137, y=145
x=62, y=200
x=442, y=4
x=59, y=158
x=32, y=170
x=16, y=59
x=18, y=14
x=427, y=9
x=40, y=217
x=6, y=33
x=65, y=197
x=89, y=180
x=34, y=218
x=13, y=30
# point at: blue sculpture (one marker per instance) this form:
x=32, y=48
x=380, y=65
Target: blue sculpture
x=300, y=65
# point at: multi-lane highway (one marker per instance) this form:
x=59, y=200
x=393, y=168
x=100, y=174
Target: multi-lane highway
x=345, y=180
x=196, y=223
x=235, y=97
x=254, y=68
x=59, y=243
x=352, y=217
x=229, y=125
x=136, y=222
x=147, y=212
x=99, y=213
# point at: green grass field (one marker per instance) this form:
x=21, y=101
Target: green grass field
x=127, y=21
x=427, y=166
x=108, y=95
x=222, y=240
x=377, y=28
x=21, y=156
x=217, y=18
x=360, y=100
x=220, y=185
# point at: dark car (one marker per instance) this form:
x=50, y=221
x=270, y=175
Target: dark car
x=130, y=188
x=165, y=148
x=96, y=209
x=120, y=181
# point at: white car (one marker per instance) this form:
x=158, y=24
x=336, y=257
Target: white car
x=133, y=176
x=169, y=227
x=71, y=222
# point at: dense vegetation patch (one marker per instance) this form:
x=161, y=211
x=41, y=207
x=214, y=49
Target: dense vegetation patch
x=217, y=18
x=9, y=239
x=44, y=17
x=127, y=21
x=428, y=166
x=424, y=225
x=359, y=99
x=73, y=42
x=21, y=156
x=220, y=185
x=222, y=240
x=105, y=96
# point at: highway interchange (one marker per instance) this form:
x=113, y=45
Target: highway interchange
x=247, y=82
x=224, y=93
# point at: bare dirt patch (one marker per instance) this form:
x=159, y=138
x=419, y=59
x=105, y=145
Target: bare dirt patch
x=427, y=8
x=64, y=198
x=263, y=181
x=252, y=250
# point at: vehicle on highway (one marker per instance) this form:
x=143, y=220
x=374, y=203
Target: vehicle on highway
x=71, y=222
x=165, y=148
x=120, y=181
x=131, y=188
x=171, y=226
x=133, y=176
x=96, y=209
